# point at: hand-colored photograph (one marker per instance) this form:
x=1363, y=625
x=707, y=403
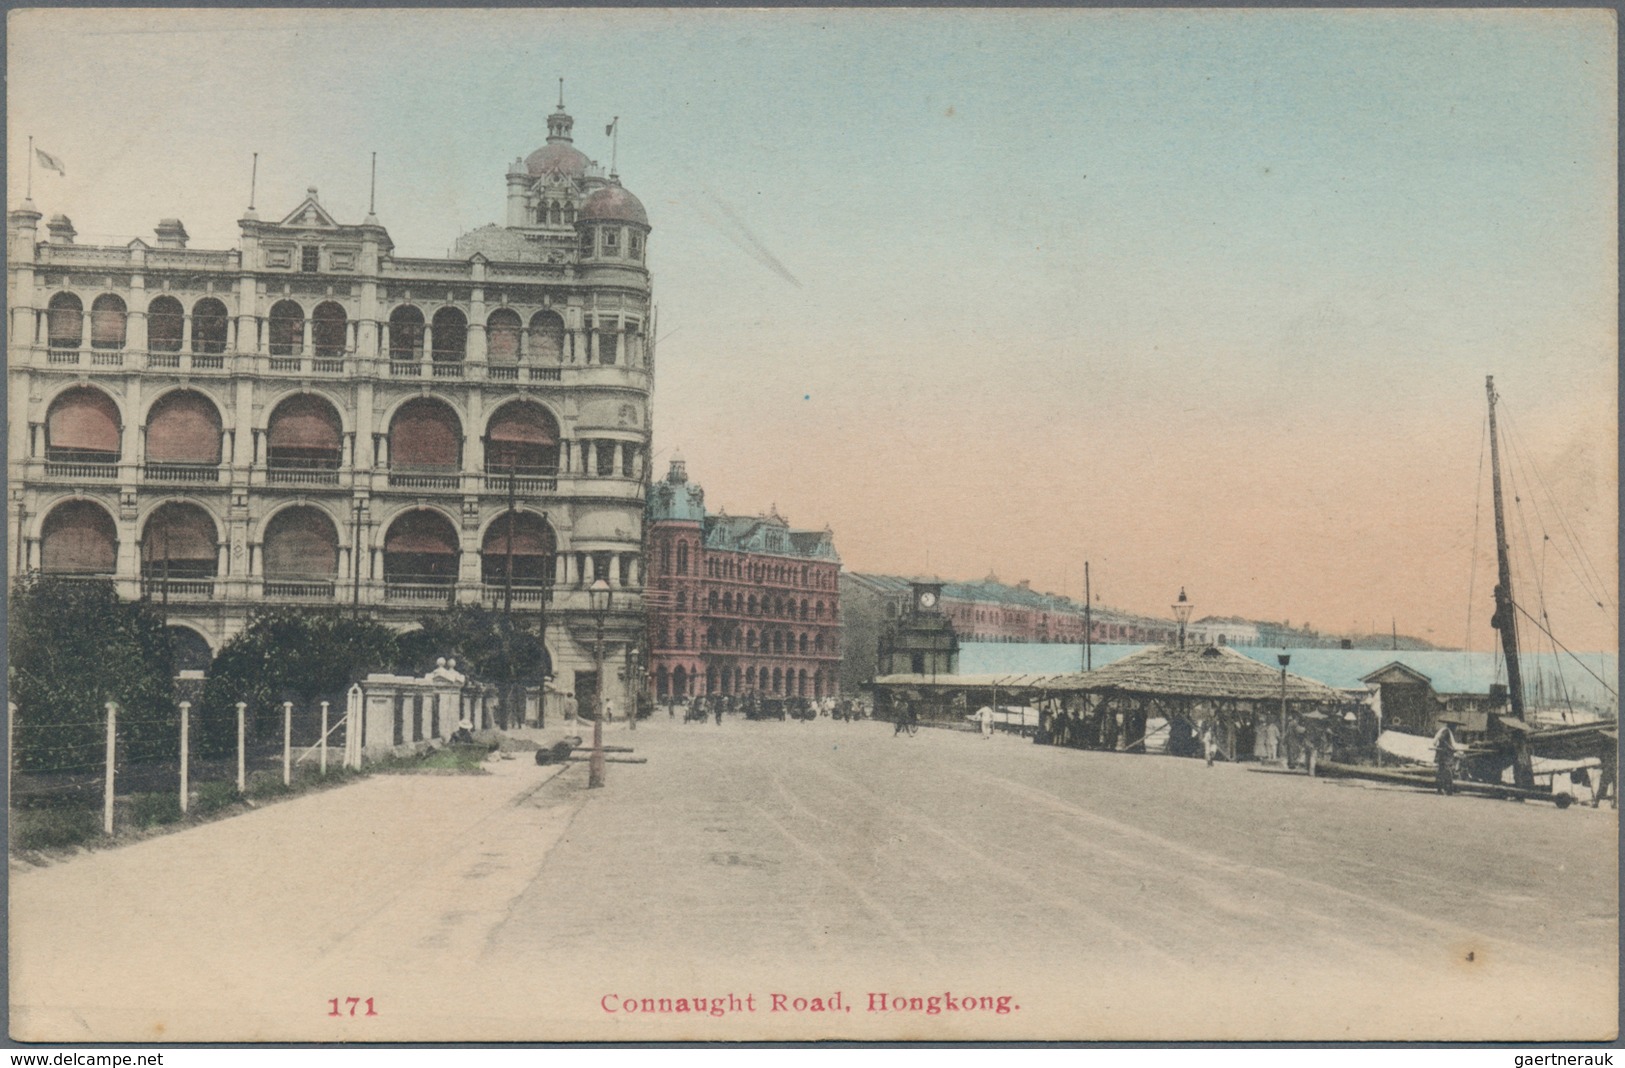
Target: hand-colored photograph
x=651, y=526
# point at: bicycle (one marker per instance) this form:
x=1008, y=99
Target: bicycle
x=906, y=725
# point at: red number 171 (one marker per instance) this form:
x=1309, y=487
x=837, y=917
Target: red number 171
x=354, y=1004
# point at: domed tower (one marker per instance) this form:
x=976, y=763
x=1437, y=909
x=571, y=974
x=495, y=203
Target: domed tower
x=545, y=188
x=612, y=225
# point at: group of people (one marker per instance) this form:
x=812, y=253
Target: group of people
x=753, y=706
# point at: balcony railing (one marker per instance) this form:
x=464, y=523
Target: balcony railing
x=180, y=588
x=179, y=472
x=448, y=369
x=298, y=590
x=405, y=369
x=107, y=359
x=80, y=468
x=419, y=592
x=529, y=596
x=284, y=474
x=425, y=478
x=62, y=355
x=163, y=359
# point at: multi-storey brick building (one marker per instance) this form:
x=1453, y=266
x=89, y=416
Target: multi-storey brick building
x=737, y=604
x=311, y=419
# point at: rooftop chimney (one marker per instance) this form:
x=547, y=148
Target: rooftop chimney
x=61, y=230
x=171, y=234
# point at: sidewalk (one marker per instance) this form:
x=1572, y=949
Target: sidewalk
x=230, y=930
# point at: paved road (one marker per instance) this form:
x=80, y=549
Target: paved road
x=1100, y=895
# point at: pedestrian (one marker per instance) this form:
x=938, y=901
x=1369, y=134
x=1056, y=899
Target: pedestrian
x=1210, y=740
x=985, y=716
x=1445, y=748
x=1607, y=780
x=570, y=707
x=718, y=710
x=609, y=711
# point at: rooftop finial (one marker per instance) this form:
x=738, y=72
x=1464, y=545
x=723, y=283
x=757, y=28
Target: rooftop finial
x=561, y=94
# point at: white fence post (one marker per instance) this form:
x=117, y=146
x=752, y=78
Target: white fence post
x=112, y=749
x=287, y=743
x=186, y=752
x=242, y=778
x=352, y=727
x=324, y=738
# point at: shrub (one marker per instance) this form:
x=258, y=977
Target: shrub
x=214, y=796
x=152, y=810
x=53, y=827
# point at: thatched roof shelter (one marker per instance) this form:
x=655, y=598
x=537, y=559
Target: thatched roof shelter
x=1211, y=673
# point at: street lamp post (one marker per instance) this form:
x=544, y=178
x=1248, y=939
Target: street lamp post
x=1285, y=659
x=600, y=595
x=1182, y=612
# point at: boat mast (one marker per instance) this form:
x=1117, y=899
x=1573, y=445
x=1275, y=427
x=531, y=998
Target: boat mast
x=1505, y=619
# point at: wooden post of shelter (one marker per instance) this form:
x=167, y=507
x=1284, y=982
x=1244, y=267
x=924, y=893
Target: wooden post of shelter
x=324, y=739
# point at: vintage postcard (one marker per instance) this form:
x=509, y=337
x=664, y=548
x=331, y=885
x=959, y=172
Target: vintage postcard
x=538, y=525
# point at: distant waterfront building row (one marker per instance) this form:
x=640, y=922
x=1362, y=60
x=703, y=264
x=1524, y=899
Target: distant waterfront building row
x=738, y=605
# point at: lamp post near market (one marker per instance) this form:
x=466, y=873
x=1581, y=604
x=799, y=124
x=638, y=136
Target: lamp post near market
x=1182, y=612
x=600, y=596
x=1285, y=659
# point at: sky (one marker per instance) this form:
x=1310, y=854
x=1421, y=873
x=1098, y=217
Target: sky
x=1204, y=298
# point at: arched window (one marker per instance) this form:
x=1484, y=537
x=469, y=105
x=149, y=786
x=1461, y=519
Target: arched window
x=818, y=644
x=450, y=335
x=165, y=325
x=421, y=548
x=329, y=331
x=679, y=682
x=301, y=543
x=682, y=600
x=710, y=637
x=192, y=652
x=304, y=433
x=209, y=327
x=78, y=538
x=682, y=558
x=82, y=426
x=520, y=544
x=287, y=328
x=107, y=322
x=728, y=603
x=804, y=608
x=682, y=638
x=502, y=336
x=665, y=558
x=426, y=436
x=778, y=680
x=406, y=333
x=778, y=641
x=751, y=603
x=65, y=322
x=183, y=427
x=179, y=542
x=750, y=641
x=711, y=601
x=803, y=645
x=522, y=437
x=546, y=337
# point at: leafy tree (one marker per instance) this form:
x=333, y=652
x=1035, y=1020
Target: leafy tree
x=74, y=646
x=488, y=645
x=288, y=654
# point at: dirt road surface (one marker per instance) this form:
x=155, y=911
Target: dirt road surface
x=992, y=888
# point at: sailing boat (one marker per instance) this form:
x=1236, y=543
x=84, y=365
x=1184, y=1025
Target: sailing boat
x=1519, y=740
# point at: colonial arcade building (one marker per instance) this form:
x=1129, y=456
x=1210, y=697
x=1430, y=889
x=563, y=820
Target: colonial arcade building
x=311, y=419
x=738, y=604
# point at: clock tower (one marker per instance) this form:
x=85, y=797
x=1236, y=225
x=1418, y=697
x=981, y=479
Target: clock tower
x=923, y=641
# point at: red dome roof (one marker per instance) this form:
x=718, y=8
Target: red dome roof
x=612, y=203
x=558, y=157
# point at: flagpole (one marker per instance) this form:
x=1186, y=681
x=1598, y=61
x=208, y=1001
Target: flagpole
x=372, y=194
x=30, y=194
x=253, y=180
x=614, y=143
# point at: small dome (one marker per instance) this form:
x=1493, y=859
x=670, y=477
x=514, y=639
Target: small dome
x=557, y=157
x=614, y=204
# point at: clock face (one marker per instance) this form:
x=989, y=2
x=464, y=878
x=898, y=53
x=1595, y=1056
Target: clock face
x=928, y=599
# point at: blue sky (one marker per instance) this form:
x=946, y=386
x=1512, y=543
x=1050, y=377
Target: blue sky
x=1204, y=297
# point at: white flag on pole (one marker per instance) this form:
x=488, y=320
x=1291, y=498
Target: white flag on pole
x=50, y=162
